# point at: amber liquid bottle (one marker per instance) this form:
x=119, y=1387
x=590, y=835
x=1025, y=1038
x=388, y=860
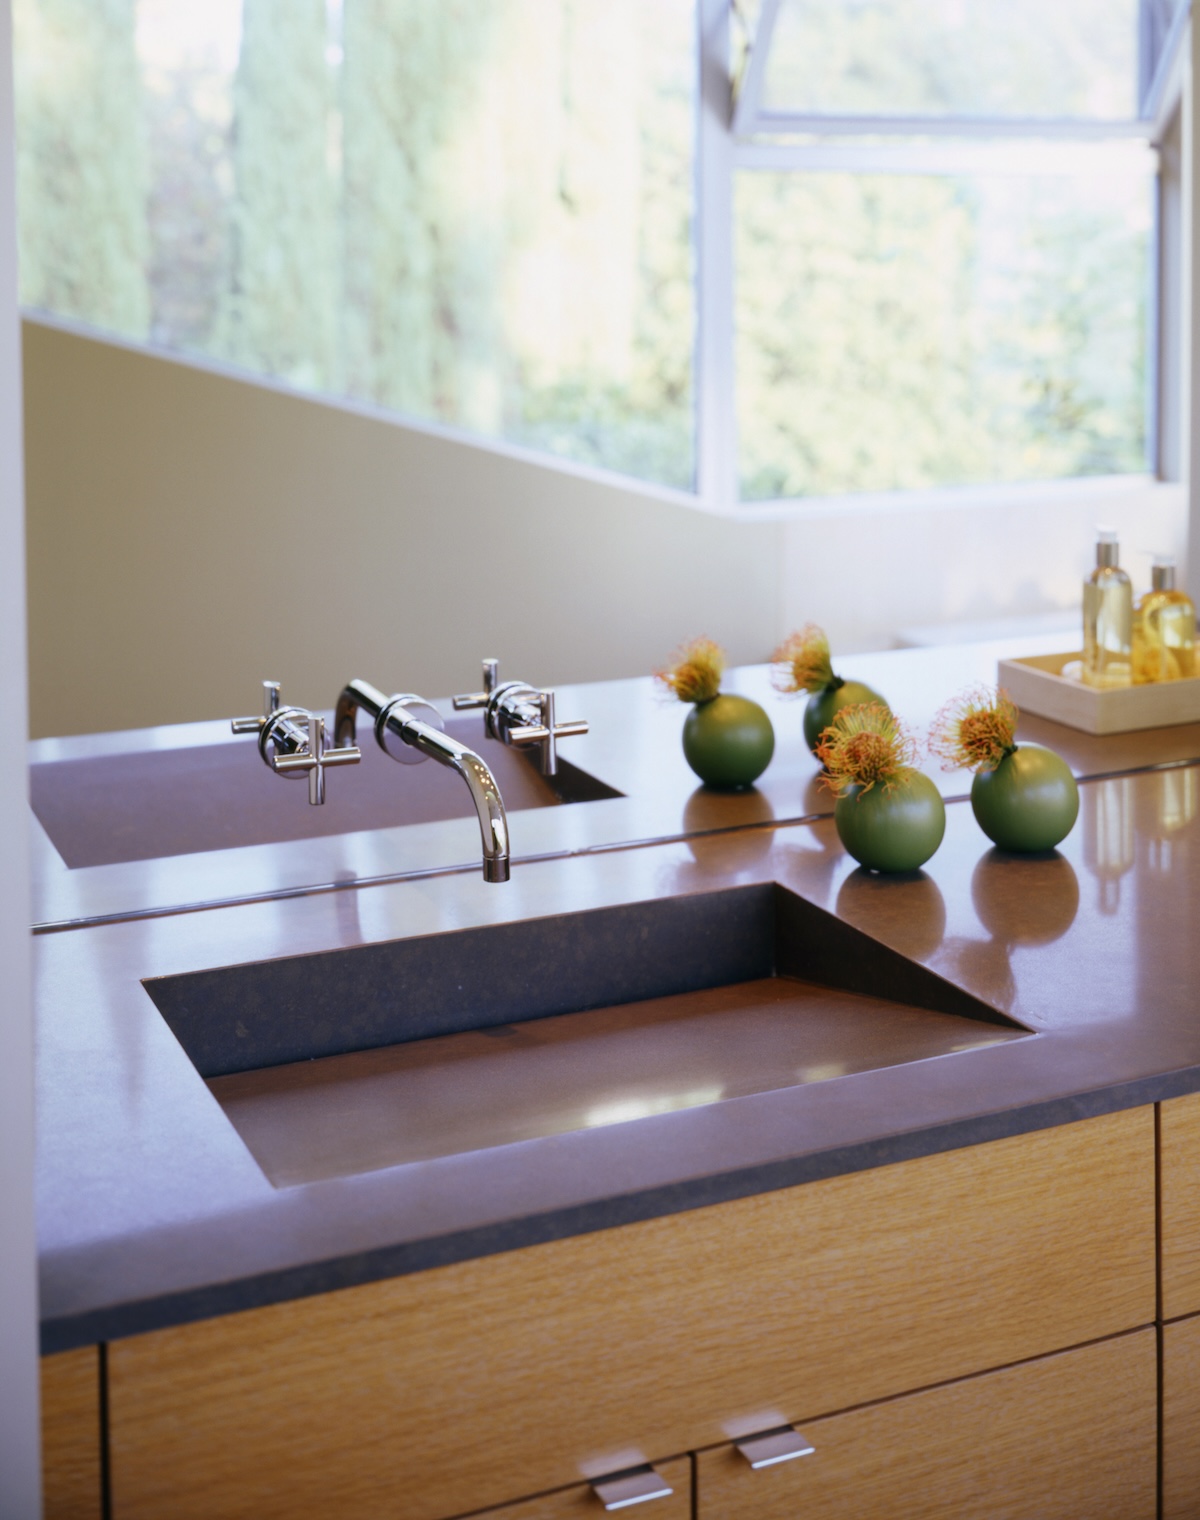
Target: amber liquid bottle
x=1107, y=618
x=1164, y=633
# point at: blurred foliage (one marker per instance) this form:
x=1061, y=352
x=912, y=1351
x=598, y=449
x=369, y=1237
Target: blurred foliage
x=81, y=162
x=478, y=212
x=470, y=211
x=968, y=57
x=901, y=332
x=278, y=311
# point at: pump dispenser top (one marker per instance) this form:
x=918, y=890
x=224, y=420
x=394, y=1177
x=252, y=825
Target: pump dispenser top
x=1108, y=550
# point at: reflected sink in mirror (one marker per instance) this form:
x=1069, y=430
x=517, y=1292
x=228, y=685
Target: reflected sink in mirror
x=112, y=809
x=350, y=1061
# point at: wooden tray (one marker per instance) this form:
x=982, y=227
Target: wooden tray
x=1036, y=686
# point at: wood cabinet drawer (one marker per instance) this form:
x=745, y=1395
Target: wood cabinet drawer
x=1061, y=1438
x=1181, y=1419
x=1179, y=1138
x=71, y=1478
x=466, y=1386
x=580, y=1503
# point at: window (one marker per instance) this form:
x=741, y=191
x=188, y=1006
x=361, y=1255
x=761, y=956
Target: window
x=474, y=212
x=911, y=245
x=945, y=218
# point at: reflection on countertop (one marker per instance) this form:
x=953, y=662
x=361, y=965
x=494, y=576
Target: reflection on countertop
x=152, y=804
x=629, y=769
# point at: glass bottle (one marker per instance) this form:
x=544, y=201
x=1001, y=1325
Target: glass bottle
x=1107, y=618
x=1164, y=630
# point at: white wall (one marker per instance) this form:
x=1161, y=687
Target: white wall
x=870, y=574
x=20, y=1475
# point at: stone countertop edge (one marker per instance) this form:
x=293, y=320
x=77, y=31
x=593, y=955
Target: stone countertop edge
x=138, y=1317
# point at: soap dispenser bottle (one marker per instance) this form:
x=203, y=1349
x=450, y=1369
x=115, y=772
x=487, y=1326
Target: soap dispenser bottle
x=1164, y=629
x=1107, y=617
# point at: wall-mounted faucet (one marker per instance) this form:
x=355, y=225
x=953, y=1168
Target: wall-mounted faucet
x=410, y=730
x=291, y=741
x=519, y=714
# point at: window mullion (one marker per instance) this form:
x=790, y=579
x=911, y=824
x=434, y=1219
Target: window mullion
x=995, y=157
x=808, y=123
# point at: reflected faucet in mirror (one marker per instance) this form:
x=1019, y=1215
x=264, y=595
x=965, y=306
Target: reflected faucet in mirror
x=410, y=730
x=521, y=715
x=291, y=741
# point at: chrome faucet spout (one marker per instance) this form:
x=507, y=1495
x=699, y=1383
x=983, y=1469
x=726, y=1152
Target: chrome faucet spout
x=356, y=694
x=410, y=730
x=485, y=794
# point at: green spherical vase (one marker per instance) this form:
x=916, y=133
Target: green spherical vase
x=894, y=828
x=823, y=706
x=728, y=741
x=1028, y=802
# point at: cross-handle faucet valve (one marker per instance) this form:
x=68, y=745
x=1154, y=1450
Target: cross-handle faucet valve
x=270, y=708
x=520, y=714
x=291, y=741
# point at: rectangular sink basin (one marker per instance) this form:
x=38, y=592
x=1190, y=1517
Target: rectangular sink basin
x=156, y=803
x=350, y=1061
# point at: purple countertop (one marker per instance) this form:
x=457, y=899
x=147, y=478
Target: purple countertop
x=153, y=1211
x=420, y=821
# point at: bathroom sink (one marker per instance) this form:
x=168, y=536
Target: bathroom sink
x=155, y=803
x=349, y=1061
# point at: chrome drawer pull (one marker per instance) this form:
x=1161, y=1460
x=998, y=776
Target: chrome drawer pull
x=775, y=1446
x=633, y=1487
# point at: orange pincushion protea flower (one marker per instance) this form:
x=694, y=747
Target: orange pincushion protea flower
x=802, y=662
x=864, y=746
x=696, y=674
x=975, y=730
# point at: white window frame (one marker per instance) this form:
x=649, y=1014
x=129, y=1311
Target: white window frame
x=728, y=139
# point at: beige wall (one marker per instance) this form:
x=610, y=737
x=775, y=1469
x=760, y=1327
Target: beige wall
x=190, y=534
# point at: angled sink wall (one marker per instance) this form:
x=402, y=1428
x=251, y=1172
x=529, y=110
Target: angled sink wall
x=268, y=1013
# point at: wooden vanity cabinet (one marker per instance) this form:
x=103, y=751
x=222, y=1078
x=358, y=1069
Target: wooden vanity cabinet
x=1181, y=1419
x=71, y=1437
x=1179, y=1142
x=470, y=1385
x=1058, y=1438
x=1179, y=1170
